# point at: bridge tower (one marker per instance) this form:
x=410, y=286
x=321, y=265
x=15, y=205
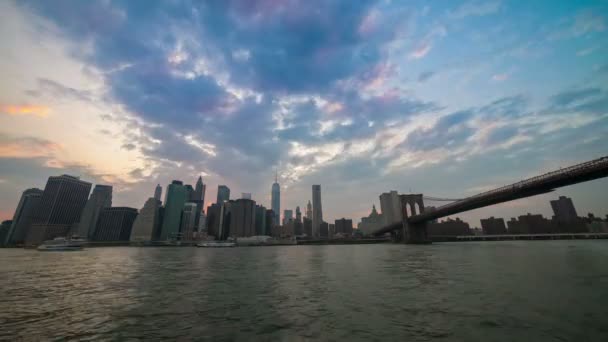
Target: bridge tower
x=413, y=233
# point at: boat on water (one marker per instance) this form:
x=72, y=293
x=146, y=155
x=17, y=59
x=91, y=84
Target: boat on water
x=61, y=244
x=216, y=244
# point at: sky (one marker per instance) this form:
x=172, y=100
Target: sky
x=445, y=98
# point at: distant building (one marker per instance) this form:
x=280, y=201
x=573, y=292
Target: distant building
x=371, y=223
x=309, y=211
x=115, y=224
x=5, y=226
x=390, y=204
x=493, y=226
x=317, y=210
x=298, y=214
x=63, y=199
x=287, y=216
x=214, y=219
x=449, y=227
x=260, y=220
x=331, y=230
x=158, y=192
x=344, y=226
x=175, y=200
x=223, y=194
x=198, y=197
x=269, y=221
x=101, y=198
x=324, y=230
x=188, y=221
x=564, y=211
x=20, y=224
x=146, y=226
x=242, y=218
x=307, y=226
x=531, y=224
x=275, y=199
x=246, y=195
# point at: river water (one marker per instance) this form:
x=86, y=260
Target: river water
x=478, y=291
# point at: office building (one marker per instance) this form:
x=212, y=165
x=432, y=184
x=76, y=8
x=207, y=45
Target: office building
x=371, y=223
x=390, y=205
x=223, y=194
x=317, y=210
x=323, y=228
x=246, y=195
x=146, y=226
x=213, y=219
x=115, y=224
x=101, y=198
x=198, y=197
x=493, y=226
x=269, y=221
x=564, y=211
x=260, y=220
x=20, y=224
x=344, y=227
x=5, y=226
x=187, y=225
x=174, y=204
x=449, y=227
x=298, y=214
x=287, y=216
x=307, y=226
x=63, y=199
x=309, y=211
x=158, y=192
x=242, y=218
x=275, y=201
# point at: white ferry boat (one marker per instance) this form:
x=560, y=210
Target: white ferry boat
x=61, y=244
x=216, y=244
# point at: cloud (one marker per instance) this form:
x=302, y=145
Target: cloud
x=425, y=76
x=20, y=110
x=476, y=8
x=26, y=147
x=420, y=51
x=500, y=77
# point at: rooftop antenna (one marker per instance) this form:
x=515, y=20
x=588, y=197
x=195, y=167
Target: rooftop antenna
x=276, y=175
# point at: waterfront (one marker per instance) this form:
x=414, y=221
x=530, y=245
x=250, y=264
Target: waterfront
x=487, y=291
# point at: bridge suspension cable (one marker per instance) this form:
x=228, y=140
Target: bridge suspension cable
x=439, y=199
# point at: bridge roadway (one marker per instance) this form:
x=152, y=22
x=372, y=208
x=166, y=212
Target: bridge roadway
x=594, y=169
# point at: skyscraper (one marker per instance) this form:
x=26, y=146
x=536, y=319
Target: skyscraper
x=187, y=225
x=23, y=216
x=223, y=194
x=101, y=198
x=158, y=192
x=309, y=211
x=298, y=214
x=198, y=197
x=287, y=216
x=147, y=223
x=246, y=195
x=174, y=203
x=275, y=200
x=343, y=226
x=115, y=224
x=317, y=210
x=242, y=218
x=563, y=208
x=260, y=220
x=390, y=205
x=60, y=207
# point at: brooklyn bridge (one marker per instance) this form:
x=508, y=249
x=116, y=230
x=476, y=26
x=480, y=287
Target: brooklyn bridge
x=413, y=227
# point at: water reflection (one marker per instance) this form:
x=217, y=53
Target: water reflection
x=461, y=291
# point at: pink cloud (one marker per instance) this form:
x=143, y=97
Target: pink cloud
x=420, y=51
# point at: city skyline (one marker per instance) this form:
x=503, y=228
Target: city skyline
x=442, y=99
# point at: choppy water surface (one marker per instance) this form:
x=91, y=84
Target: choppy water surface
x=489, y=291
